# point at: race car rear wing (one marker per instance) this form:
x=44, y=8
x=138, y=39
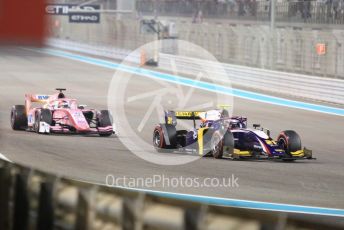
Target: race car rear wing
x=40, y=98
x=183, y=115
x=37, y=97
x=172, y=116
x=188, y=115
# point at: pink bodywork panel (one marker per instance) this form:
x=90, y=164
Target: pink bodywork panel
x=73, y=118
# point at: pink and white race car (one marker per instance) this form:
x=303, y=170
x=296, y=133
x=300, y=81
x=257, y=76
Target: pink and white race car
x=58, y=114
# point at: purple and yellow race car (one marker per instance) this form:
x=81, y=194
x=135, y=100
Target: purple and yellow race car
x=220, y=135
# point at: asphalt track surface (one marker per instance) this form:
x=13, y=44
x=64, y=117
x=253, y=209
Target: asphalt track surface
x=92, y=158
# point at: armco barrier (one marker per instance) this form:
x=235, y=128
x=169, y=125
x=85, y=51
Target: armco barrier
x=290, y=84
x=31, y=199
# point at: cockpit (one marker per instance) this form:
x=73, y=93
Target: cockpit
x=236, y=124
x=64, y=104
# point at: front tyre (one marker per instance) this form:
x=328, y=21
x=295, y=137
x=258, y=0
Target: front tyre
x=105, y=120
x=290, y=141
x=18, y=117
x=217, y=144
x=229, y=142
x=44, y=115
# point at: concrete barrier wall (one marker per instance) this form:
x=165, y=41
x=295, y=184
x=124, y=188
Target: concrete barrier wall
x=32, y=199
x=287, y=49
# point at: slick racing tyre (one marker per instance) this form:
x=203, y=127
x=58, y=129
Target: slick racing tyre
x=18, y=117
x=105, y=120
x=160, y=135
x=217, y=144
x=44, y=115
x=229, y=142
x=290, y=141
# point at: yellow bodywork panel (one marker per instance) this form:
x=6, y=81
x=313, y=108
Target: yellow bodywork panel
x=270, y=142
x=299, y=153
x=237, y=152
x=200, y=134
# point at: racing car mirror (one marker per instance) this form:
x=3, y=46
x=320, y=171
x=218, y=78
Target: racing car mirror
x=255, y=126
x=82, y=106
x=268, y=132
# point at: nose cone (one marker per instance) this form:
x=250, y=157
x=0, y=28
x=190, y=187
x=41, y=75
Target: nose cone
x=79, y=121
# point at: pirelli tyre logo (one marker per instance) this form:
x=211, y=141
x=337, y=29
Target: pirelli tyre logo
x=76, y=13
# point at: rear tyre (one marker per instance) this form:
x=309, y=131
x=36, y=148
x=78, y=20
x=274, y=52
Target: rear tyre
x=44, y=115
x=158, y=138
x=181, y=137
x=105, y=120
x=18, y=117
x=160, y=135
x=290, y=141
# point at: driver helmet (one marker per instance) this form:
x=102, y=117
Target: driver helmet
x=236, y=124
x=63, y=104
x=205, y=124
